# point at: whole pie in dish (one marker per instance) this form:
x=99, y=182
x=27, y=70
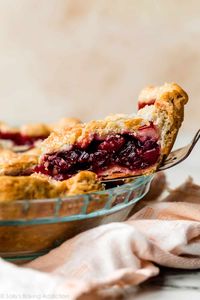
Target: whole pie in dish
x=27, y=136
x=119, y=145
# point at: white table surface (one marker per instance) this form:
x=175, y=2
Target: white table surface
x=172, y=283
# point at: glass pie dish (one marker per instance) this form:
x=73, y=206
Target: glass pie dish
x=30, y=228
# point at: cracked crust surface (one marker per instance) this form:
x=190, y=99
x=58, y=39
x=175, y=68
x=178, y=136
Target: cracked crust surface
x=167, y=111
x=40, y=186
x=15, y=164
x=39, y=129
x=82, y=134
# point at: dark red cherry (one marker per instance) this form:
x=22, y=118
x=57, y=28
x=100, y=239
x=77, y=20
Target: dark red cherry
x=112, y=143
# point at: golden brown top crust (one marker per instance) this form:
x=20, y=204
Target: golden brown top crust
x=41, y=187
x=13, y=164
x=172, y=99
x=81, y=183
x=39, y=129
x=4, y=127
x=64, y=123
x=34, y=130
x=167, y=112
x=83, y=133
x=165, y=93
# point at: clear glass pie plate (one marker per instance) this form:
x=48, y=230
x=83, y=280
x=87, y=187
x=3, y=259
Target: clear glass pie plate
x=30, y=228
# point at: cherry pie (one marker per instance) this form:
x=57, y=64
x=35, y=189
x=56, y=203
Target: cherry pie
x=15, y=164
x=120, y=145
x=27, y=136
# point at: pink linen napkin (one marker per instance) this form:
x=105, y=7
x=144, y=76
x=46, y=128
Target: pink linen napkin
x=115, y=255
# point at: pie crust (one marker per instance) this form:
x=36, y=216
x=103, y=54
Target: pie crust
x=28, y=135
x=40, y=186
x=118, y=146
x=151, y=134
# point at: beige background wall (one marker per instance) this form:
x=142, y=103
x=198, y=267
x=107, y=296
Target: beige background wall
x=87, y=58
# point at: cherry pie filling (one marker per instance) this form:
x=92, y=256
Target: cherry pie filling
x=117, y=152
x=19, y=139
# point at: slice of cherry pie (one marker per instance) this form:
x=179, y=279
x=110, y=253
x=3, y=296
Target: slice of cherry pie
x=119, y=145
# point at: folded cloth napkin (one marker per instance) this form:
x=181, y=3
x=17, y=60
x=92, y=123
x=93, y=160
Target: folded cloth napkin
x=112, y=256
